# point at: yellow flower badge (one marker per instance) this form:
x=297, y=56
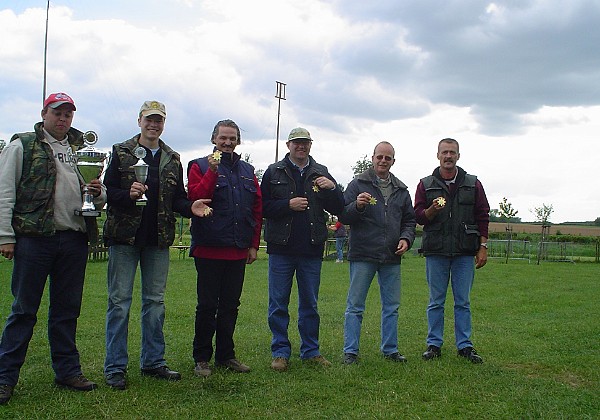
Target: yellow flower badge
x=372, y=201
x=441, y=201
x=315, y=188
x=208, y=211
x=217, y=156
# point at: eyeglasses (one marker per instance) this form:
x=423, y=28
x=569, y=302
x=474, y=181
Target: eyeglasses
x=387, y=158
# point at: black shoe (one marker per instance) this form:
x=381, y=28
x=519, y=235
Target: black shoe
x=470, y=354
x=116, y=380
x=350, y=359
x=162, y=372
x=76, y=383
x=396, y=357
x=6, y=392
x=432, y=352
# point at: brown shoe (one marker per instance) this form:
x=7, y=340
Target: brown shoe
x=162, y=372
x=319, y=360
x=280, y=364
x=235, y=365
x=76, y=383
x=202, y=369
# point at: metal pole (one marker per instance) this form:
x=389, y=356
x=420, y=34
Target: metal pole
x=46, y=50
x=280, y=94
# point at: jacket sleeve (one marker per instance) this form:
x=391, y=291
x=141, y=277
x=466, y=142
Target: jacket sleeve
x=482, y=210
x=115, y=195
x=409, y=223
x=181, y=204
x=11, y=168
x=333, y=200
x=257, y=215
x=351, y=214
x=421, y=205
x=272, y=208
x=201, y=185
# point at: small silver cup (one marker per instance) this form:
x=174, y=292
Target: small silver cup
x=90, y=163
x=141, y=172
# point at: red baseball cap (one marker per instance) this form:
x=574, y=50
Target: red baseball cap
x=57, y=99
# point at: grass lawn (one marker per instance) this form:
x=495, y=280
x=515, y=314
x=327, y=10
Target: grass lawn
x=537, y=328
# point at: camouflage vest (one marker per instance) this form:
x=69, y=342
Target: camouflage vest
x=34, y=207
x=122, y=223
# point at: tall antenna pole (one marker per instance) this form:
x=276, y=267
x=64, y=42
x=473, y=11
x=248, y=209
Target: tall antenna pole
x=46, y=49
x=280, y=94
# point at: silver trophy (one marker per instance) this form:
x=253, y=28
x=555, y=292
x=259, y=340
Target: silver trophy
x=141, y=172
x=90, y=162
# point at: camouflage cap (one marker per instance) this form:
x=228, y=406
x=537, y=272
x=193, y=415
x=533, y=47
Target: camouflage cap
x=153, y=108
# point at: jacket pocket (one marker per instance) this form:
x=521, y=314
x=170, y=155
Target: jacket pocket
x=469, y=238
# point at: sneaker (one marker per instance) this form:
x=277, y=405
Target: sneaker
x=235, y=365
x=280, y=364
x=116, y=380
x=350, y=359
x=202, y=369
x=319, y=360
x=339, y=261
x=76, y=383
x=162, y=372
x=6, y=392
x=432, y=352
x=470, y=354
x=395, y=357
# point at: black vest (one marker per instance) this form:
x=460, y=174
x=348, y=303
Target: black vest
x=453, y=231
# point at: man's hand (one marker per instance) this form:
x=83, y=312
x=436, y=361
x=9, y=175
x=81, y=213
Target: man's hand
x=481, y=257
x=299, y=203
x=137, y=190
x=362, y=200
x=402, y=247
x=324, y=183
x=94, y=187
x=200, y=208
x=7, y=251
x=252, y=254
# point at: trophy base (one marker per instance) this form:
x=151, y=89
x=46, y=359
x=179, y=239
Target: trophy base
x=140, y=202
x=87, y=213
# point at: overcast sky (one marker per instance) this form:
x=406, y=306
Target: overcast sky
x=517, y=83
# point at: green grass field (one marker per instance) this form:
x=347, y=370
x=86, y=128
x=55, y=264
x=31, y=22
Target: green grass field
x=537, y=327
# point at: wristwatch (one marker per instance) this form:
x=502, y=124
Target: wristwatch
x=483, y=244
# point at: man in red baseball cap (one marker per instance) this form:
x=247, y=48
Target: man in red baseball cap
x=41, y=187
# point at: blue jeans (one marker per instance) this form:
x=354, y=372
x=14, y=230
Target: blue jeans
x=461, y=272
x=361, y=276
x=122, y=264
x=339, y=246
x=308, y=278
x=62, y=257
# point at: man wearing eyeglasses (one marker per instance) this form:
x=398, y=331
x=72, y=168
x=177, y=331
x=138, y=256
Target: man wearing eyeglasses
x=382, y=228
x=454, y=211
x=296, y=191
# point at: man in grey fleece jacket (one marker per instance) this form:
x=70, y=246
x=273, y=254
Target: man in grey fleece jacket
x=382, y=228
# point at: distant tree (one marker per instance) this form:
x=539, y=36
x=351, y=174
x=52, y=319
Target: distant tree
x=494, y=215
x=542, y=214
x=506, y=212
x=362, y=165
x=597, y=221
x=257, y=172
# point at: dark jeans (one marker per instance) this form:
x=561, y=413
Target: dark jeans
x=61, y=257
x=219, y=287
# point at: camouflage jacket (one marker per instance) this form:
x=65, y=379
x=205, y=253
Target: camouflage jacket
x=123, y=216
x=34, y=205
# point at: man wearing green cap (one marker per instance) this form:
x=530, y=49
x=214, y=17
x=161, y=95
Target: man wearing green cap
x=296, y=193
